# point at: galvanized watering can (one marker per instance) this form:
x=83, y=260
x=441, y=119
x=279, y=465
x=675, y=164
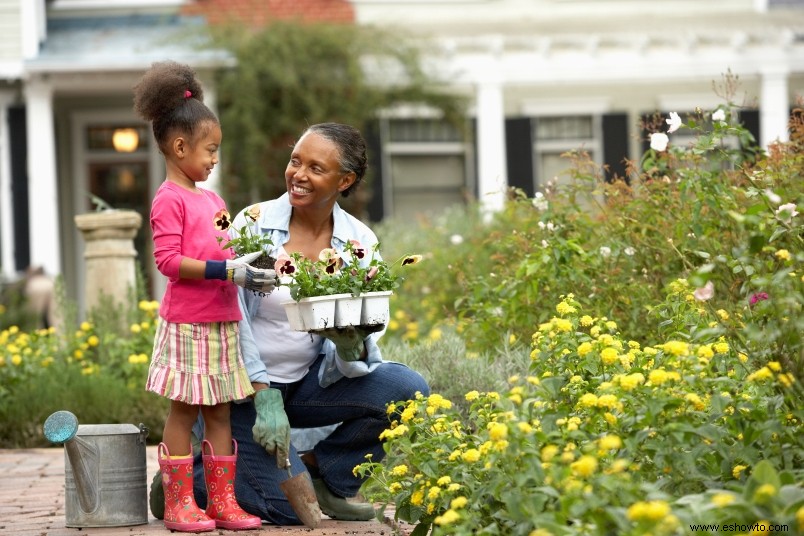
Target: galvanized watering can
x=104, y=469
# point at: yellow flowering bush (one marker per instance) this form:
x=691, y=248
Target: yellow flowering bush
x=91, y=369
x=602, y=436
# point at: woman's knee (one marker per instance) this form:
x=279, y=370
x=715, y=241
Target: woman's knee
x=406, y=381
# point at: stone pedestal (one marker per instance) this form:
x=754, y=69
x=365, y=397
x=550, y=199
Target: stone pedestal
x=109, y=254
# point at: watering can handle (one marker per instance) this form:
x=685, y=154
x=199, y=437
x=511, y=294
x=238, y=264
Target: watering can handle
x=143, y=433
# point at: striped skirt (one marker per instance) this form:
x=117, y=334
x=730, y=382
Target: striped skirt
x=198, y=364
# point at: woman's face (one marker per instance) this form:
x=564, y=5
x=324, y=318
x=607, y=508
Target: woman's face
x=313, y=175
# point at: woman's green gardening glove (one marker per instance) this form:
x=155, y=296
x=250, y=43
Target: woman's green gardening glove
x=349, y=340
x=272, y=429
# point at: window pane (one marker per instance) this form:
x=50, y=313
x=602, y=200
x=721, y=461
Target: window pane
x=564, y=128
x=426, y=184
x=408, y=205
x=427, y=171
x=553, y=168
x=423, y=130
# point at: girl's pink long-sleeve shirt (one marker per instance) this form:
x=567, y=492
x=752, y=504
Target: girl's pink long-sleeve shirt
x=183, y=226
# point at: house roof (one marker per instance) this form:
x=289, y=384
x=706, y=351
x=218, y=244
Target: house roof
x=124, y=43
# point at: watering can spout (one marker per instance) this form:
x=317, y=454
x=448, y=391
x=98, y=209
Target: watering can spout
x=61, y=427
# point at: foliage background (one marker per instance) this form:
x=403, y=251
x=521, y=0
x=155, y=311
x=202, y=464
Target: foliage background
x=289, y=75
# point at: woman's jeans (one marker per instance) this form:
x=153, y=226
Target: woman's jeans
x=358, y=403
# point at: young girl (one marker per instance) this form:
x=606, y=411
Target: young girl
x=196, y=360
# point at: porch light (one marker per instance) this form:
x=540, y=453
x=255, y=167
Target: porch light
x=125, y=140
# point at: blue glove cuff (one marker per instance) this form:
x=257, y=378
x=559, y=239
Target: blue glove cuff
x=215, y=270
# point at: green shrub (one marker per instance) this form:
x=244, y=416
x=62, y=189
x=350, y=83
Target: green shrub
x=603, y=435
x=96, y=371
x=709, y=213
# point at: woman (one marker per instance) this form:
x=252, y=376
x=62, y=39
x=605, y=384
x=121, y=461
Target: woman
x=310, y=381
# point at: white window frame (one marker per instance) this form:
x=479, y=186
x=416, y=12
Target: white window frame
x=390, y=149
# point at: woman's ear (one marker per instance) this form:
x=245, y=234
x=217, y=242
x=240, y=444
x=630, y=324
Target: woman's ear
x=346, y=181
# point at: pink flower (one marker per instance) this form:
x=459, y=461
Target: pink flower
x=357, y=250
x=284, y=265
x=758, y=297
x=705, y=292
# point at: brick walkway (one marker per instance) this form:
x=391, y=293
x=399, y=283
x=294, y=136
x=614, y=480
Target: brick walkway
x=32, y=504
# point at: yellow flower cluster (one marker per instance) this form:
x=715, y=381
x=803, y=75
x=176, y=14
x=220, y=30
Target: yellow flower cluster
x=651, y=511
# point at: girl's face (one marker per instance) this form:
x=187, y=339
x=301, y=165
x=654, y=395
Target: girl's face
x=198, y=158
x=313, y=175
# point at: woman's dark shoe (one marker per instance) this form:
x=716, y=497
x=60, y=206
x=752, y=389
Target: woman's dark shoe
x=338, y=507
x=156, y=499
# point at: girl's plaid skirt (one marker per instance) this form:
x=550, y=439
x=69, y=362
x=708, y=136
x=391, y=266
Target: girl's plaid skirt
x=198, y=364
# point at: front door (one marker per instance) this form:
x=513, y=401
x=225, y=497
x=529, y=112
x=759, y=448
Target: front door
x=113, y=162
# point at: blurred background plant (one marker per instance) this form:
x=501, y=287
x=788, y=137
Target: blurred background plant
x=724, y=216
x=93, y=368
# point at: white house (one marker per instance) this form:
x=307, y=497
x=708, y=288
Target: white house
x=543, y=76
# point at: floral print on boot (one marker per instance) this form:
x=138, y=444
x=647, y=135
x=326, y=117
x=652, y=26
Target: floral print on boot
x=181, y=512
x=219, y=473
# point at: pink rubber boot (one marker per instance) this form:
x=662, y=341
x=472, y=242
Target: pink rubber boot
x=181, y=512
x=219, y=473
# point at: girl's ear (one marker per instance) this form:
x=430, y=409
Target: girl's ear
x=179, y=146
x=346, y=181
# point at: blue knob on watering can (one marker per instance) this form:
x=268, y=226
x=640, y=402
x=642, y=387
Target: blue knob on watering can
x=61, y=427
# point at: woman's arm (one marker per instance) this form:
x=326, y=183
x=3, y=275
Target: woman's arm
x=255, y=367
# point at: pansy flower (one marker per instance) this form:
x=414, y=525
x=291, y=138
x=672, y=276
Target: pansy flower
x=331, y=259
x=222, y=220
x=357, y=250
x=253, y=212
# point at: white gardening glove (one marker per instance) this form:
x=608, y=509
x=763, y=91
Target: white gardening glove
x=239, y=272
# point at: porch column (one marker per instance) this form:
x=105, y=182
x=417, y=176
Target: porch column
x=774, y=107
x=43, y=206
x=7, y=263
x=492, y=173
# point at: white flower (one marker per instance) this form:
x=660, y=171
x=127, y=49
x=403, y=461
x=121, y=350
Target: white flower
x=541, y=225
x=705, y=292
x=605, y=251
x=786, y=212
x=539, y=202
x=659, y=141
x=773, y=197
x=629, y=251
x=719, y=115
x=551, y=226
x=544, y=243
x=456, y=239
x=674, y=123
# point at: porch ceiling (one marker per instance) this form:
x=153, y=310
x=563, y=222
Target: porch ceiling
x=123, y=44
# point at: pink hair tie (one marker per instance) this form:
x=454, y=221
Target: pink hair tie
x=187, y=93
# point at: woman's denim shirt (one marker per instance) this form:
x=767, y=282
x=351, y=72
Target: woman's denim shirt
x=274, y=221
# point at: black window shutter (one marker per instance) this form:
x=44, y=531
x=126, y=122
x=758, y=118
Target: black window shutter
x=376, y=207
x=519, y=154
x=750, y=120
x=615, y=145
x=19, y=186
